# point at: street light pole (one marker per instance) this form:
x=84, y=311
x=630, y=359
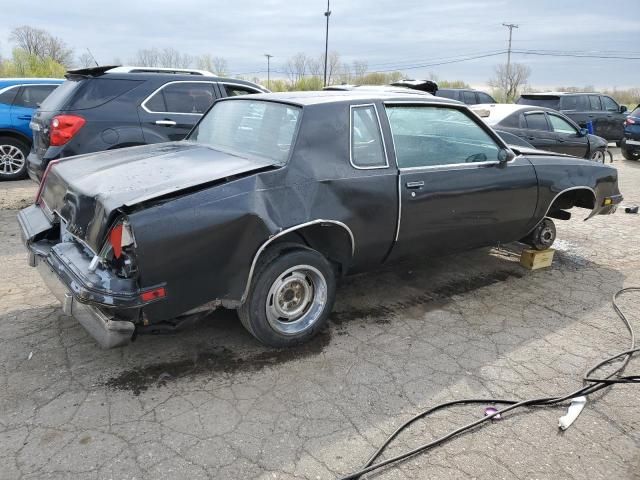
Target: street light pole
x=268, y=70
x=326, y=43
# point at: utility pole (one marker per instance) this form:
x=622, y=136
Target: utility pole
x=326, y=43
x=510, y=26
x=268, y=70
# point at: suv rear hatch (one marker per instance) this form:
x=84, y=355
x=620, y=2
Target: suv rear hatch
x=537, y=100
x=80, y=92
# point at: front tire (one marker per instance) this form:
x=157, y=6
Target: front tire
x=290, y=297
x=629, y=154
x=13, y=158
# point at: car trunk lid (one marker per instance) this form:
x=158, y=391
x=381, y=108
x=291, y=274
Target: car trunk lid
x=86, y=191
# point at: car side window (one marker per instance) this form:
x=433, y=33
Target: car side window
x=560, y=125
x=484, y=98
x=182, y=97
x=367, y=149
x=31, y=96
x=569, y=102
x=469, y=97
x=235, y=90
x=536, y=121
x=428, y=136
x=6, y=97
x=609, y=104
x=594, y=102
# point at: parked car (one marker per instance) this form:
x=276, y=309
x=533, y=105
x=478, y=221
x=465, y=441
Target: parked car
x=465, y=95
x=106, y=108
x=19, y=97
x=630, y=145
x=426, y=86
x=272, y=197
x=544, y=128
x=603, y=111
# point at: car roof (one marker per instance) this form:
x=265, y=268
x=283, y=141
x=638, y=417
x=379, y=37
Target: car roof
x=557, y=94
x=338, y=96
x=494, y=113
x=6, y=82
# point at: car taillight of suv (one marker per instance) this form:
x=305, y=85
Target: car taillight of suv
x=63, y=128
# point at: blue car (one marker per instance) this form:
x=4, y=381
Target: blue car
x=19, y=98
x=630, y=145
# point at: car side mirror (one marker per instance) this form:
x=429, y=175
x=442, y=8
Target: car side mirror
x=506, y=155
x=623, y=108
x=583, y=132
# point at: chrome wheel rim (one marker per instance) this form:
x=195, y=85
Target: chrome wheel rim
x=598, y=156
x=296, y=300
x=11, y=159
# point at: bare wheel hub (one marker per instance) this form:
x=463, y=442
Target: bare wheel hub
x=296, y=299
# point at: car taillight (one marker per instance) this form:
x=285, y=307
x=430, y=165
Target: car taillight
x=629, y=121
x=63, y=128
x=44, y=177
x=120, y=236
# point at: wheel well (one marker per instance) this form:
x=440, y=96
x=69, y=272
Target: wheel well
x=579, y=197
x=16, y=135
x=331, y=240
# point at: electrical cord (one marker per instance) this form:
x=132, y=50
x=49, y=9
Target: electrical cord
x=593, y=385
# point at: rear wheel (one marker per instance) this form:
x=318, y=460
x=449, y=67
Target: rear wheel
x=630, y=154
x=290, y=297
x=543, y=236
x=13, y=158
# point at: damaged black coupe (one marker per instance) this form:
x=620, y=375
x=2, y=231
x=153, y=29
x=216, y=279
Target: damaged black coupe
x=273, y=197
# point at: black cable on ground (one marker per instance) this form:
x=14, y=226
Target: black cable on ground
x=592, y=385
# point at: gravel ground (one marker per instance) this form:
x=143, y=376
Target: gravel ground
x=212, y=403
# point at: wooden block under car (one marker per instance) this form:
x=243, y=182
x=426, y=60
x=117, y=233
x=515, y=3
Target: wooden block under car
x=535, y=259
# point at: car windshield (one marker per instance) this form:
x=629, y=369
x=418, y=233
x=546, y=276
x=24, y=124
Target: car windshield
x=249, y=128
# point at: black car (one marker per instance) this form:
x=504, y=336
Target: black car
x=544, y=128
x=630, y=145
x=106, y=108
x=606, y=116
x=272, y=197
x=465, y=95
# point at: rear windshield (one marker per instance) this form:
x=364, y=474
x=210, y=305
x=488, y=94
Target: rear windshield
x=540, y=101
x=84, y=93
x=636, y=112
x=452, y=94
x=249, y=128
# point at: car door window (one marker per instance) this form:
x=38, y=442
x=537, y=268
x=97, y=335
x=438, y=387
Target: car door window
x=560, y=125
x=6, y=97
x=594, y=102
x=182, y=97
x=233, y=90
x=31, y=96
x=367, y=149
x=428, y=136
x=484, y=98
x=469, y=97
x=536, y=121
x=609, y=104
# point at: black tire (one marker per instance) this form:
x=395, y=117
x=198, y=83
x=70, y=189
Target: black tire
x=12, y=153
x=290, y=275
x=630, y=154
x=543, y=236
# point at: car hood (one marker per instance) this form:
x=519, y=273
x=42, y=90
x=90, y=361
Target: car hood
x=86, y=190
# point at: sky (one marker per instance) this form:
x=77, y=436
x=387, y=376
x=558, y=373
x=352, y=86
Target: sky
x=409, y=35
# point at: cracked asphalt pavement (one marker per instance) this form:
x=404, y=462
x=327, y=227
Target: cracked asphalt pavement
x=211, y=402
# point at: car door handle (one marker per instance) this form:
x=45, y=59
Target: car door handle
x=24, y=117
x=413, y=185
x=166, y=123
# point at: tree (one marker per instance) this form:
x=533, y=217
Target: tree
x=43, y=45
x=25, y=64
x=220, y=66
x=296, y=67
x=508, y=82
x=360, y=68
x=85, y=60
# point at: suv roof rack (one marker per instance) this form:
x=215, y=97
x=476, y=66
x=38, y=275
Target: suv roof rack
x=180, y=71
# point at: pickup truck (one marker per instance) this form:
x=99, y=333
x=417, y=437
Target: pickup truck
x=272, y=197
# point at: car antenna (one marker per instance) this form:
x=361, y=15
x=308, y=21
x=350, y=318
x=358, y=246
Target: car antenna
x=94, y=58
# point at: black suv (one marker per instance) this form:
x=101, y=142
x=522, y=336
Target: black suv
x=104, y=108
x=603, y=111
x=465, y=95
